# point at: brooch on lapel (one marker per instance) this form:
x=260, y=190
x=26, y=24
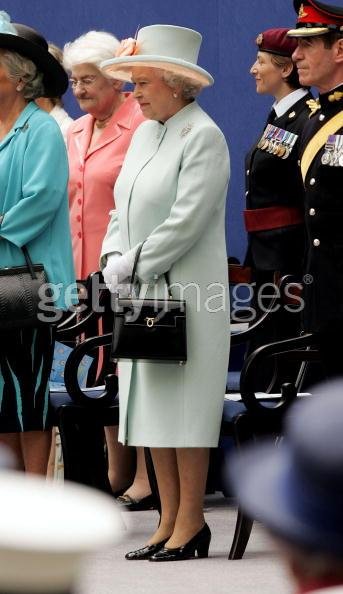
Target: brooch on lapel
x=186, y=129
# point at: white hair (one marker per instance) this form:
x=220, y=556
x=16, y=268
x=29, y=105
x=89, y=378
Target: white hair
x=91, y=48
x=189, y=88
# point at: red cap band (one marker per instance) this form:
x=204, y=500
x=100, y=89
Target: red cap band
x=310, y=14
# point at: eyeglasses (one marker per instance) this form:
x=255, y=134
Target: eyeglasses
x=85, y=82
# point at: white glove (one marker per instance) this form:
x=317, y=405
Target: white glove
x=117, y=273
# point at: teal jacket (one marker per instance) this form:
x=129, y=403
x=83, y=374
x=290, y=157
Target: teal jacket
x=34, y=200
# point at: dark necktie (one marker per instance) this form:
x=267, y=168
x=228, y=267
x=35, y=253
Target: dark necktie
x=271, y=117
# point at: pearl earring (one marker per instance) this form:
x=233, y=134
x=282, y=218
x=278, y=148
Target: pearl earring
x=19, y=88
x=175, y=95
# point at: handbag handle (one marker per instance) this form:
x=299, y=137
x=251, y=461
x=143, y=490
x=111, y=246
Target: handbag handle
x=26, y=256
x=133, y=274
x=28, y=261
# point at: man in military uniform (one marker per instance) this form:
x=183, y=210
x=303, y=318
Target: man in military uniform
x=319, y=60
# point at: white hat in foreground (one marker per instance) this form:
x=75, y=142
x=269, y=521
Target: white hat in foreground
x=45, y=530
x=168, y=47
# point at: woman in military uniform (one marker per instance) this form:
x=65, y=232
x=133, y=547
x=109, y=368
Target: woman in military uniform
x=274, y=190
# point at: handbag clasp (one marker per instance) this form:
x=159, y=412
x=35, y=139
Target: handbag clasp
x=150, y=322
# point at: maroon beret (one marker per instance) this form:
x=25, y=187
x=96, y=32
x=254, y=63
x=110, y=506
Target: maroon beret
x=276, y=41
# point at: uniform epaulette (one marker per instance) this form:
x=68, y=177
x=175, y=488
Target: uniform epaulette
x=335, y=96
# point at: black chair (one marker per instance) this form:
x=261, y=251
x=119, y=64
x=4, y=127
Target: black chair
x=82, y=415
x=256, y=415
x=82, y=420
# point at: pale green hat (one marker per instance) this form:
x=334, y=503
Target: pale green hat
x=168, y=47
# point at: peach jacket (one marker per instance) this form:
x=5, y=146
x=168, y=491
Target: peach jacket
x=93, y=174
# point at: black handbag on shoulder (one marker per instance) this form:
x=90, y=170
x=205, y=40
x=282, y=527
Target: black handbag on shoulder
x=20, y=301
x=149, y=329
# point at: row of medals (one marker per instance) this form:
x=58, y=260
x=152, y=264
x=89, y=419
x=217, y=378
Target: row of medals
x=333, y=152
x=277, y=141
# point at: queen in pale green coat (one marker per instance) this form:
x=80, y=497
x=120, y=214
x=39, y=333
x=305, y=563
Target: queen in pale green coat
x=171, y=195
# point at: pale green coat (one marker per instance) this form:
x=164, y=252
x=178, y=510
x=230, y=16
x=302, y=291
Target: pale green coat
x=171, y=193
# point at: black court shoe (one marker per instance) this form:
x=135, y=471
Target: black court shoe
x=127, y=503
x=145, y=552
x=198, y=544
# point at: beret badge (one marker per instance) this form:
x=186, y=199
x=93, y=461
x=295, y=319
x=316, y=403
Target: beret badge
x=259, y=39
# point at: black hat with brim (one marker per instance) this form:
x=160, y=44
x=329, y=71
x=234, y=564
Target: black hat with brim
x=30, y=44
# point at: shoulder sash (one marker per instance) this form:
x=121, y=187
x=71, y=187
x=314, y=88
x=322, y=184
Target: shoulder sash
x=318, y=141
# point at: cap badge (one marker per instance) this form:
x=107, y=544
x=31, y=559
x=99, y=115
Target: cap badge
x=302, y=12
x=259, y=39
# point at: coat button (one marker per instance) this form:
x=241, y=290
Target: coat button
x=79, y=184
x=312, y=181
x=247, y=193
x=312, y=212
x=316, y=242
x=80, y=167
x=79, y=234
x=78, y=218
x=248, y=171
x=321, y=117
x=79, y=201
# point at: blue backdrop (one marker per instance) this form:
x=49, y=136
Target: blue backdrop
x=229, y=29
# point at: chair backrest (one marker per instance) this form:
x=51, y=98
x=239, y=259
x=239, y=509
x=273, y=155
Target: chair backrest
x=301, y=349
x=91, y=318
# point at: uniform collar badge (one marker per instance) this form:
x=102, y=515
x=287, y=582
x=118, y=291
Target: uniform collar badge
x=313, y=105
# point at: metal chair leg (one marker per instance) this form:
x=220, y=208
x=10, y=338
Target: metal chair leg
x=82, y=441
x=241, y=536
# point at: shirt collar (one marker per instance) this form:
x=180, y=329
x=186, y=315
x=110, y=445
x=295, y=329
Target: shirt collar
x=282, y=106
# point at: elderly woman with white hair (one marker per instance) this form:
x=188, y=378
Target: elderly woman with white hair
x=97, y=143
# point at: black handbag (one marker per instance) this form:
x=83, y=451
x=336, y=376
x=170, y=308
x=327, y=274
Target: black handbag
x=19, y=295
x=149, y=329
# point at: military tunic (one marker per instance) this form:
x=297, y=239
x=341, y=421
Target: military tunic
x=275, y=181
x=324, y=222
